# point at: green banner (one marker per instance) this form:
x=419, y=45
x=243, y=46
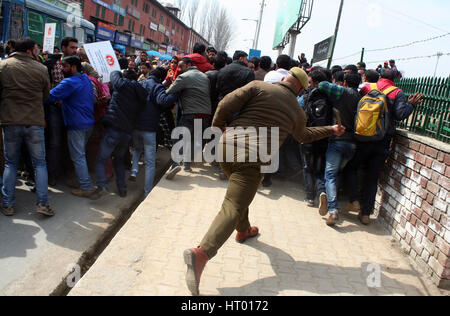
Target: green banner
x=288, y=13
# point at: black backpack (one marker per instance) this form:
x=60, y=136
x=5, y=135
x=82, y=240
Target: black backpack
x=319, y=111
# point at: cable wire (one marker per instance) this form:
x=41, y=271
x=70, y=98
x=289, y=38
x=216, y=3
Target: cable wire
x=410, y=58
x=409, y=44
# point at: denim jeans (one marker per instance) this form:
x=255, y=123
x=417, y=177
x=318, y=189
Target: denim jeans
x=34, y=138
x=373, y=155
x=339, y=153
x=115, y=143
x=77, y=140
x=145, y=141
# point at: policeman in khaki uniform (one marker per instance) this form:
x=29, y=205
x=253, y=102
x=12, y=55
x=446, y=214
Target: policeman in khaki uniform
x=258, y=104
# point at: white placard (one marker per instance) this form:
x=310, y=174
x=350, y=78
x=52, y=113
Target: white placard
x=49, y=38
x=102, y=57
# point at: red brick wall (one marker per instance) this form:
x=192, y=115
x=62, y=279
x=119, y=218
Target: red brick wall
x=176, y=39
x=413, y=199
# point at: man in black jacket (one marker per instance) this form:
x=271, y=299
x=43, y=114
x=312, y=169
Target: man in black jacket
x=127, y=101
x=234, y=76
x=319, y=113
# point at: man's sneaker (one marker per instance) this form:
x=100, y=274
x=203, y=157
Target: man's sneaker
x=45, y=210
x=99, y=193
x=310, y=203
x=251, y=232
x=364, y=219
x=7, y=210
x=132, y=177
x=187, y=167
x=333, y=219
x=323, y=206
x=353, y=207
x=173, y=171
x=83, y=193
x=195, y=260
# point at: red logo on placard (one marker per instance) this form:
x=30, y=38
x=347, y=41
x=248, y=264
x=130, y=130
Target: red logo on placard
x=110, y=60
x=49, y=30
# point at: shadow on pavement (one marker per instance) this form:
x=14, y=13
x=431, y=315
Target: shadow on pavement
x=322, y=279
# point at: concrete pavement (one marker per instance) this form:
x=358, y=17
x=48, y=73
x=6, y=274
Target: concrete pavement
x=295, y=254
x=35, y=252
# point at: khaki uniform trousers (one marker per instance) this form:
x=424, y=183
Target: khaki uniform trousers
x=244, y=180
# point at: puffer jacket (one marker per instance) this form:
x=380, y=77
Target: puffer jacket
x=200, y=62
x=232, y=77
x=24, y=86
x=127, y=101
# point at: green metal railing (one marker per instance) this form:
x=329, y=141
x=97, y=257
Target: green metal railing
x=432, y=117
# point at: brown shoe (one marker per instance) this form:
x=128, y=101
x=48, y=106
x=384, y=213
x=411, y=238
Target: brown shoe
x=82, y=193
x=251, y=232
x=364, y=219
x=196, y=260
x=332, y=219
x=353, y=206
x=7, y=210
x=323, y=206
x=45, y=210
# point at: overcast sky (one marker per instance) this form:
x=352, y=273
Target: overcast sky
x=364, y=23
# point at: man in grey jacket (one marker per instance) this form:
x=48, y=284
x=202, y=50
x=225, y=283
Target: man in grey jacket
x=194, y=103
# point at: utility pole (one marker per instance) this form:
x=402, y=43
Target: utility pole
x=258, y=27
x=439, y=55
x=335, y=34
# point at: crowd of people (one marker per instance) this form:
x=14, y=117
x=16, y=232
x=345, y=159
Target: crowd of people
x=60, y=122
x=58, y=116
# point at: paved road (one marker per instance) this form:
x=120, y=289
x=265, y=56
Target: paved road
x=36, y=251
x=295, y=254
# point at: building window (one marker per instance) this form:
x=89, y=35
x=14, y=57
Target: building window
x=161, y=18
x=154, y=13
x=115, y=18
x=103, y=12
x=121, y=20
x=97, y=11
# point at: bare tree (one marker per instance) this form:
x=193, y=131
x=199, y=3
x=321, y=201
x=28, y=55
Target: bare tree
x=222, y=29
x=181, y=4
x=192, y=12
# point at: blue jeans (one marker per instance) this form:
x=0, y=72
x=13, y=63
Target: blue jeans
x=34, y=138
x=145, y=141
x=77, y=140
x=115, y=143
x=339, y=153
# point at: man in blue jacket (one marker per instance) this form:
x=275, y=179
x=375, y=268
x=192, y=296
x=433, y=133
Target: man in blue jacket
x=77, y=95
x=127, y=101
x=144, y=135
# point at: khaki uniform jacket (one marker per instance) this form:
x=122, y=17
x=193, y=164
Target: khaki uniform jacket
x=24, y=86
x=261, y=104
